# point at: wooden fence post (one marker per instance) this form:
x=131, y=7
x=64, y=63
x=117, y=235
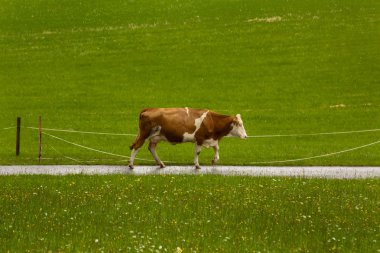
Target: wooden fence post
x=18, y=129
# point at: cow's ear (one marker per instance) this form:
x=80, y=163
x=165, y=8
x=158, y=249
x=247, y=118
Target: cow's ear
x=238, y=116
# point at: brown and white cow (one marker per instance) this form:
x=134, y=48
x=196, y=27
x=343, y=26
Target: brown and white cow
x=178, y=125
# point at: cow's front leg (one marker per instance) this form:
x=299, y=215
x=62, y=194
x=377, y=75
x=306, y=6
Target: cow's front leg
x=152, y=149
x=196, y=157
x=216, y=155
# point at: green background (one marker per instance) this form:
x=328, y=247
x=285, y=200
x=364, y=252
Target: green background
x=286, y=66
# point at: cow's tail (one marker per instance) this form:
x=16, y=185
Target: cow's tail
x=134, y=142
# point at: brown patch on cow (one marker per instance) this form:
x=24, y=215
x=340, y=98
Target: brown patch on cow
x=174, y=122
x=215, y=126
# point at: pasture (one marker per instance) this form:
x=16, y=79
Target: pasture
x=286, y=66
x=188, y=214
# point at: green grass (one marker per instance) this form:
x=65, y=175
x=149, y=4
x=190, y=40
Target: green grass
x=193, y=213
x=94, y=65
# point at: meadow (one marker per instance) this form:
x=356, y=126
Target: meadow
x=286, y=66
x=188, y=214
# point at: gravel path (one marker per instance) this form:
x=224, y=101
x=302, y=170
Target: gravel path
x=317, y=172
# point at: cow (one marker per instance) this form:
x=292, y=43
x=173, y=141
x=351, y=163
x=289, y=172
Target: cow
x=177, y=125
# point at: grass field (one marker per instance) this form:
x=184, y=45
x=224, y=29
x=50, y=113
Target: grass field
x=286, y=66
x=191, y=213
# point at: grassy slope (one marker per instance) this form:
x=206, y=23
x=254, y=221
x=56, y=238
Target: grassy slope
x=194, y=213
x=94, y=65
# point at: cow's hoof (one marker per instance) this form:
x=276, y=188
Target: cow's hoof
x=131, y=166
x=213, y=162
x=197, y=167
x=162, y=165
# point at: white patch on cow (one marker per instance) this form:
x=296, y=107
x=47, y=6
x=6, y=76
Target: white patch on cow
x=155, y=132
x=158, y=138
x=198, y=122
x=210, y=143
x=187, y=111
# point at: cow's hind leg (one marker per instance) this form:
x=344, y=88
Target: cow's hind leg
x=132, y=158
x=152, y=149
x=135, y=148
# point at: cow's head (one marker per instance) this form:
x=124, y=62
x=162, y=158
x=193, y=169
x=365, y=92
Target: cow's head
x=237, y=128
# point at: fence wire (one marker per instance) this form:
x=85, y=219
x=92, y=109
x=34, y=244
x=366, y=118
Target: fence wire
x=45, y=130
x=250, y=136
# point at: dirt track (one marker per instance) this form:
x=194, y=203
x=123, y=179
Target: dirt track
x=317, y=172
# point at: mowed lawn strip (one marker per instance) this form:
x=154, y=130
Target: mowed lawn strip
x=192, y=213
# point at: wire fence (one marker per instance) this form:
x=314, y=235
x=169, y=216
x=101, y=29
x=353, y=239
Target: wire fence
x=7, y=128
x=250, y=136
x=80, y=132
x=45, y=132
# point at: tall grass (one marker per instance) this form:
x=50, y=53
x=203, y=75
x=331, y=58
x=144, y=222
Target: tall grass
x=189, y=213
